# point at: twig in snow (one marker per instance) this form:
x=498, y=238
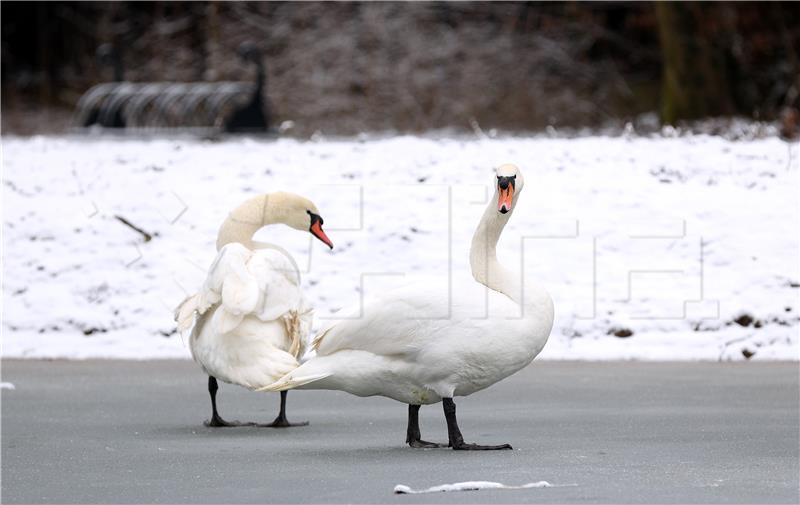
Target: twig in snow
x=147, y=236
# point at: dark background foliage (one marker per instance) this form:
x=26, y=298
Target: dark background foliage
x=344, y=68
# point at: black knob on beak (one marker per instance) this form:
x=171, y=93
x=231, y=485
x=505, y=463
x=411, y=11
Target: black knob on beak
x=504, y=182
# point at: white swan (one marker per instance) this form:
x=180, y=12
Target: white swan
x=398, y=348
x=250, y=317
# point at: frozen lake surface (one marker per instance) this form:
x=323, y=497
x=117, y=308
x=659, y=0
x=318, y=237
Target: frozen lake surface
x=131, y=432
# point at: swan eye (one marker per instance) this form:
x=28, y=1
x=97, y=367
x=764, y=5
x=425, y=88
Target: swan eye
x=315, y=218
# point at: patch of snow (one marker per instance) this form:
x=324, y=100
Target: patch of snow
x=467, y=486
x=7, y=385
x=652, y=248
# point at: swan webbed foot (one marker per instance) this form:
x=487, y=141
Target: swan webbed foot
x=218, y=422
x=454, y=433
x=475, y=447
x=279, y=422
x=282, y=422
x=422, y=444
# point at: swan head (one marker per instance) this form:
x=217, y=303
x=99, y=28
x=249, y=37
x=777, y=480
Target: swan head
x=509, y=185
x=267, y=209
x=301, y=214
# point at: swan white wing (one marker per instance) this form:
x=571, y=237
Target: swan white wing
x=279, y=283
x=228, y=281
x=282, y=297
x=398, y=323
x=408, y=319
x=263, y=284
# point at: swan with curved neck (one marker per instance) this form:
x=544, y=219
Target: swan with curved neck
x=390, y=348
x=250, y=319
x=267, y=209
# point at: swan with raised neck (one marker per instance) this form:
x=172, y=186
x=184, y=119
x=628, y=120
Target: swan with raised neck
x=390, y=347
x=483, y=251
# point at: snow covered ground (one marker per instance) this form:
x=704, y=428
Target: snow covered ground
x=652, y=248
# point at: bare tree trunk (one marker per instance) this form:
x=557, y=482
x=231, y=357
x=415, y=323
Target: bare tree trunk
x=212, y=49
x=694, y=78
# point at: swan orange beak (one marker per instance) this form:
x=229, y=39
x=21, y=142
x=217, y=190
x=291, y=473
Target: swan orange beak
x=316, y=230
x=505, y=198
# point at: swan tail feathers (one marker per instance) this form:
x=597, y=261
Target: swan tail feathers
x=290, y=382
x=315, y=343
x=184, y=313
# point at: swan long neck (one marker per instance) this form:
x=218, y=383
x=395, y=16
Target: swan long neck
x=483, y=253
x=246, y=219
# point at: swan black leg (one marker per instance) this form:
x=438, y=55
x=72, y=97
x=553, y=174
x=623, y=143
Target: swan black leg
x=281, y=421
x=216, y=421
x=454, y=434
x=412, y=432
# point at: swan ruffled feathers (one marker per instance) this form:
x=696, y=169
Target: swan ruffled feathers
x=394, y=348
x=250, y=319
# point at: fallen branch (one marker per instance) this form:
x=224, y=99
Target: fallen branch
x=147, y=236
